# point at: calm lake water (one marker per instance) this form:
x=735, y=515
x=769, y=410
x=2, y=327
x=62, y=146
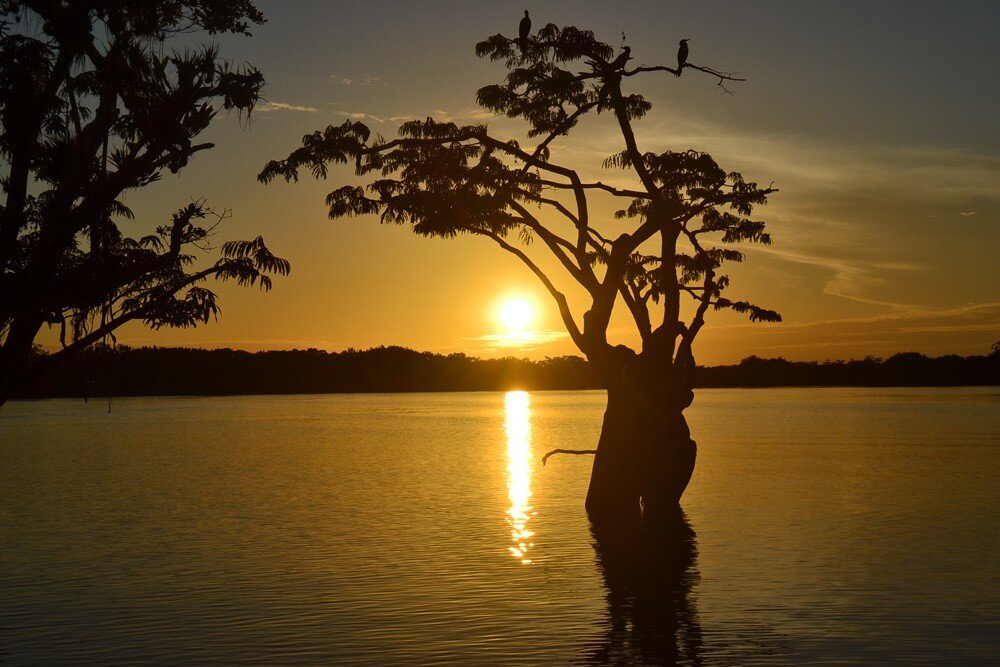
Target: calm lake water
x=823, y=526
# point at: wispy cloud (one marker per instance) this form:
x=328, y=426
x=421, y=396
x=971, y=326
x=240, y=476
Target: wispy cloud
x=268, y=107
x=364, y=81
x=853, y=279
x=961, y=317
x=466, y=115
x=362, y=116
x=966, y=329
x=927, y=170
x=521, y=340
x=860, y=210
x=439, y=115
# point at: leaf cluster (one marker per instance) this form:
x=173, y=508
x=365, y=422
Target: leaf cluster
x=438, y=176
x=92, y=106
x=708, y=203
x=543, y=85
x=445, y=179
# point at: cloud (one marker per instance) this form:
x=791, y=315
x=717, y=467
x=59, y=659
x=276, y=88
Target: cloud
x=853, y=279
x=923, y=170
x=467, y=115
x=966, y=329
x=361, y=116
x=862, y=211
x=522, y=340
x=364, y=81
x=439, y=115
x=963, y=317
x=268, y=107
x=374, y=118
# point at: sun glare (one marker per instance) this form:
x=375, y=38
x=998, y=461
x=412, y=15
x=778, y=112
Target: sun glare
x=517, y=424
x=516, y=314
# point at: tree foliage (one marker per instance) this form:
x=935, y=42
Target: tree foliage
x=673, y=232
x=93, y=105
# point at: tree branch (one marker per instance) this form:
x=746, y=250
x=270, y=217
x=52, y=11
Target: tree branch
x=562, y=129
x=560, y=298
x=618, y=192
x=581, y=271
x=637, y=307
x=631, y=147
x=723, y=76
x=114, y=323
x=567, y=451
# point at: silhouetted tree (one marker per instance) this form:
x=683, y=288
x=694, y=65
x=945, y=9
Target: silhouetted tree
x=444, y=179
x=91, y=108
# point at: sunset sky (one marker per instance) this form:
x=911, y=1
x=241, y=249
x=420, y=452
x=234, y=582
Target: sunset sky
x=877, y=121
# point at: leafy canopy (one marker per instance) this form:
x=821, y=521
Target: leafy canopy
x=670, y=237
x=94, y=105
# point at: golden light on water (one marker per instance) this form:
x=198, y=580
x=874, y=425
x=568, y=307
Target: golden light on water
x=517, y=427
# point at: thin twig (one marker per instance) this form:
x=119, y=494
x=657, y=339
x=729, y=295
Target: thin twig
x=567, y=451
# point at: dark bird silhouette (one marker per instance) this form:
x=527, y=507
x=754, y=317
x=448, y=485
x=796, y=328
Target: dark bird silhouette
x=682, y=56
x=622, y=58
x=524, y=30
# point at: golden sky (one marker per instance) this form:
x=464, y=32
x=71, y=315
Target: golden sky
x=877, y=121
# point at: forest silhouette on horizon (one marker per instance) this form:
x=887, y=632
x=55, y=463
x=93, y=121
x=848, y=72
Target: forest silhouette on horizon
x=164, y=371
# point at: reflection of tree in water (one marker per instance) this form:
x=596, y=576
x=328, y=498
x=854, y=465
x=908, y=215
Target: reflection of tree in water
x=649, y=571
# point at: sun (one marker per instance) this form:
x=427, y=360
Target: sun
x=516, y=313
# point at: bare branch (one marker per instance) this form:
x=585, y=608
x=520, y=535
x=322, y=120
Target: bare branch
x=637, y=307
x=560, y=298
x=638, y=164
x=562, y=129
x=618, y=192
x=581, y=270
x=723, y=76
x=567, y=451
x=109, y=326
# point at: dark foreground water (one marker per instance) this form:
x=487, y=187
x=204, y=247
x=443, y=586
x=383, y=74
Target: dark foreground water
x=822, y=526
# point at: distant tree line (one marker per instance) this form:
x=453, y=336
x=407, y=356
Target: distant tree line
x=98, y=102
x=906, y=369
x=159, y=371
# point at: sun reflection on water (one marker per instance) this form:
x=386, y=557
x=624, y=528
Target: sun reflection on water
x=517, y=426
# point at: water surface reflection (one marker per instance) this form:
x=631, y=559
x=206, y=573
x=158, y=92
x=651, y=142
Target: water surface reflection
x=649, y=571
x=308, y=530
x=517, y=426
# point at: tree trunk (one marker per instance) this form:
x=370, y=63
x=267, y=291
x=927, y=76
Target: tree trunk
x=14, y=353
x=645, y=456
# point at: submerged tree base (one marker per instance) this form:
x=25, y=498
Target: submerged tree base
x=645, y=456
x=640, y=468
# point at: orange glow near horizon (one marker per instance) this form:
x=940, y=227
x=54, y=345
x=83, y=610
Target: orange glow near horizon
x=516, y=316
x=885, y=225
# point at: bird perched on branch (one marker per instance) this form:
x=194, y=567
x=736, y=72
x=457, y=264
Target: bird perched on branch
x=622, y=58
x=682, y=56
x=524, y=29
